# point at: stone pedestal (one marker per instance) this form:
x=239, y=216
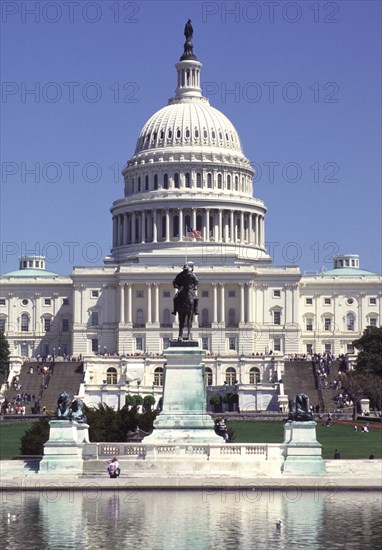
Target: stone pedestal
x=183, y=418
x=63, y=450
x=303, y=451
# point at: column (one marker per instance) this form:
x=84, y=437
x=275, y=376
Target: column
x=215, y=303
x=133, y=236
x=156, y=303
x=121, y=303
x=129, y=303
x=194, y=218
x=143, y=226
x=222, y=302
x=167, y=225
x=155, y=228
x=181, y=225
x=242, y=303
x=250, y=303
x=149, y=303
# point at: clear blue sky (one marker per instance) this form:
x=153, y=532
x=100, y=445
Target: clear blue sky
x=306, y=78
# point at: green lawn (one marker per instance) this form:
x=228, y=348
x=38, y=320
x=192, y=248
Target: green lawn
x=337, y=436
x=10, y=435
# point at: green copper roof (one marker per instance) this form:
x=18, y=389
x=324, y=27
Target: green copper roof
x=347, y=272
x=31, y=273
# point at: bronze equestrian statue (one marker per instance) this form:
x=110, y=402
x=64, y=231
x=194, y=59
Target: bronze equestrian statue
x=185, y=300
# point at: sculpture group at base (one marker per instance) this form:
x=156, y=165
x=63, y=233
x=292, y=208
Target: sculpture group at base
x=299, y=408
x=69, y=409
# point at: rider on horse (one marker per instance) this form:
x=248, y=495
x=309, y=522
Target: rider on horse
x=186, y=280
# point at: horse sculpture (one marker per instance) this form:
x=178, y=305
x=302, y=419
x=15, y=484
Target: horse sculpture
x=185, y=302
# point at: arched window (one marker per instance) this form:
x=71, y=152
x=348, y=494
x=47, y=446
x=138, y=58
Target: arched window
x=25, y=322
x=139, y=317
x=230, y=376
x=161, y=135
x=254, y=375
x=187, y=133
x=213, y=135
x=231, y=317
x=228, y=182
x=139, y=183
x=158, y=376
x=146, y=183
x=187, y=179
x=176, y=180
x=350, y=321
x=111, y=376
x=169, y=134
x=209, y=180
x=208, y=372
x=220, y=180
x=165, y=181
x=198, y=179
x=155, y=181
x=178, y=133
x=236, y=183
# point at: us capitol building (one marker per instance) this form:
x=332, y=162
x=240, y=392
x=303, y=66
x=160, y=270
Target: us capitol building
x=187, y=197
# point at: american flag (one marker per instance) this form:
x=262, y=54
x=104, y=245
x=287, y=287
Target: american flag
x=193, y=233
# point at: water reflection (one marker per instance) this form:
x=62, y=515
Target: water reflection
x=239, y=519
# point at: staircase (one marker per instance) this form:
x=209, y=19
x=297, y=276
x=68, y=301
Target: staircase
x=30, y=383
x=66, y=376
x=299, y=377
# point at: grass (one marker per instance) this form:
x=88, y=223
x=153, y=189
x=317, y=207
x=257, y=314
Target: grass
x=10, y=436
x=337, y=436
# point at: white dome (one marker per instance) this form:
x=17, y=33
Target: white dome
x=188, y=123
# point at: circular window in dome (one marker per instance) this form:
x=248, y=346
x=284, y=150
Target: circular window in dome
x=350, y=301
x=25, y=302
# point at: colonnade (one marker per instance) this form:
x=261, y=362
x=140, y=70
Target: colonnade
x=170, y=225
x=151, y=304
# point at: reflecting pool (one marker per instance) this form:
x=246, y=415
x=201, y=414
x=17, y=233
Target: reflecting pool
x=244, y=518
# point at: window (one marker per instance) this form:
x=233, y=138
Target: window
x=204, y=293
x=277, y=317
x=111, y=376
x=327, y=301
x=198, y=180
x=373, y=301
x=349, y=348
x=47, y=324
x=167, y=317
x=208, y=372
x=231, y=317
x=146, y=183
x=2, y=301
x=65, y=301
x=176, y=181
x=158, y=376
x=139, y=294
x=187, y=179
x=139, y=343
x=139, y=318
x=94, y=318
x=231, y=294
x=165, y=181
x=276, y=293
x=139, y=183
x=309, y=348
x=95, y=293
x=205, y=318
x=232, y=342
x=254, y=375
x=166, y=342
x=228, y=182
x=95, y=345
x=205, y=343
x=372, y=322
x=2, y=324
x=65, y=325
x=328, y=348
x=276, y=344
x=25, y=302
x=327, y=323
x=209, y=180
x=309, y=301
x=155, y=181
x=220, y=180
x=230, y=376
x=349, y=301
x=166, y=294
x=350, y=321
x=309, y=325
x=24, y=322
x=47, y=302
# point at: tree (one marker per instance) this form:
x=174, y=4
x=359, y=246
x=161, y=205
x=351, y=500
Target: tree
x=4, y=358
x=369, y=358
